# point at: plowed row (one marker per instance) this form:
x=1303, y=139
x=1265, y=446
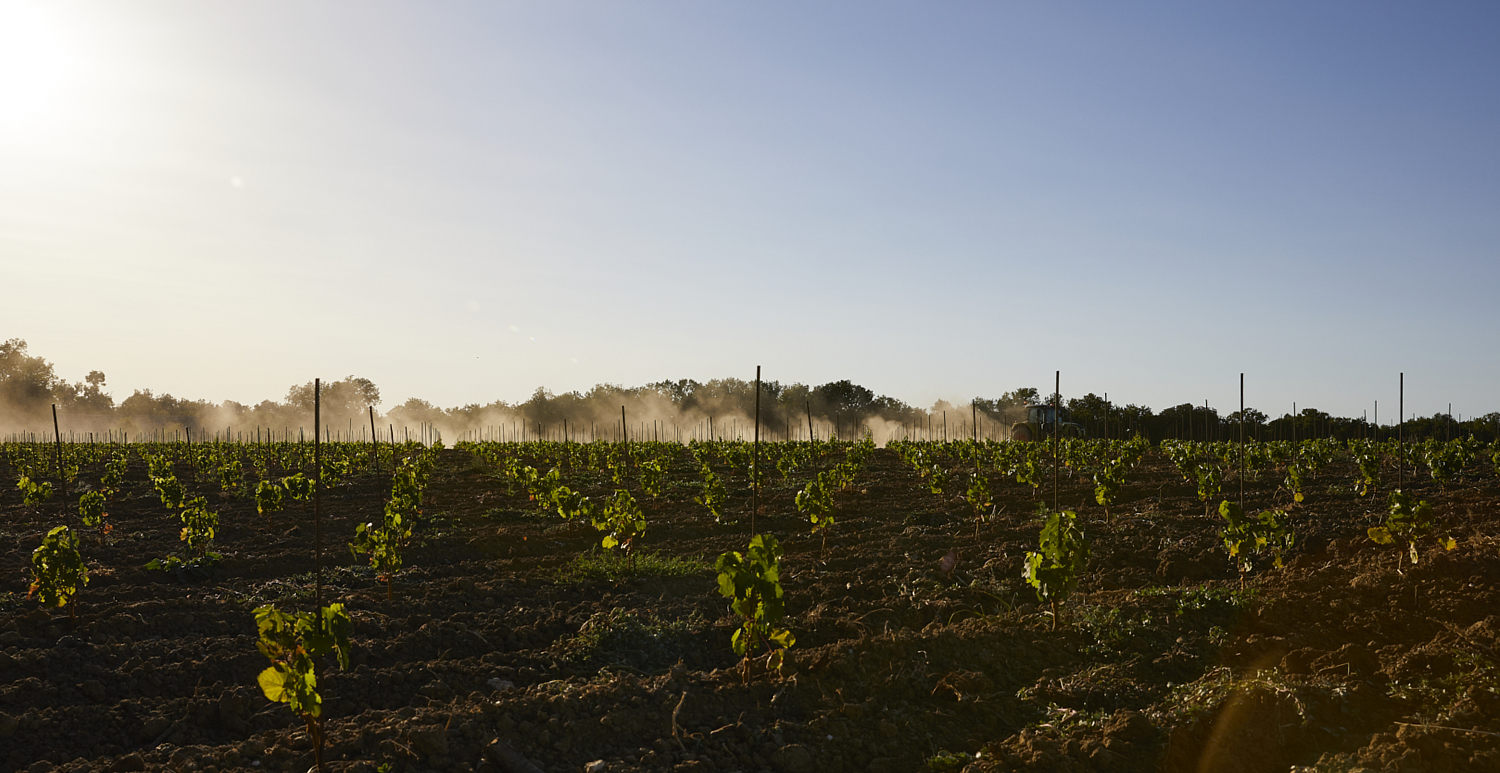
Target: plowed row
x=497, y=630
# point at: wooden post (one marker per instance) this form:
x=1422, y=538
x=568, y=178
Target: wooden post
x=62, y=479
x=1242, y=442
x=808, y=406
x=318, y=500
x=374, y=441
x=1400, y=431
x=755, y=469
x=1056, y=436
x=974, y=413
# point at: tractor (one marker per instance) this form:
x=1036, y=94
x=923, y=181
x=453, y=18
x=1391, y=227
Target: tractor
x=1041, y=422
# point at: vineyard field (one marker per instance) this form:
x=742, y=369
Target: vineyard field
x=500, y=627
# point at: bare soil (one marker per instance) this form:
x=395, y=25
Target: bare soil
x=1346, y=659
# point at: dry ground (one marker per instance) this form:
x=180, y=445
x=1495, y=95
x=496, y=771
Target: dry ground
x=1161, y=662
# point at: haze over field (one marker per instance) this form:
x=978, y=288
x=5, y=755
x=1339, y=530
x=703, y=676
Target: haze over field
x=465, y=202
x=35, y=403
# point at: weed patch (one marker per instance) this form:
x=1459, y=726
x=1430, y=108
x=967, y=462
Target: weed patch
x=640, y=640
x=610, y=567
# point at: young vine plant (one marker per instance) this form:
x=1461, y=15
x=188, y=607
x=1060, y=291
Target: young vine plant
x=1057, y=565
x=91, y=512
x=57, y=570
x=1408, y=521
x=293, y=641
x=622, y=521
x=1247, y=538
x=752, y=582
x=384, y=542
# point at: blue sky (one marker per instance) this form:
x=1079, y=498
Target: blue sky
x=463, y=202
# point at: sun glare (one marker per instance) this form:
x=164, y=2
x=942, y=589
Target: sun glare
x=34, y=63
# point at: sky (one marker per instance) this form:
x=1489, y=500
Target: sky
x=464, y=202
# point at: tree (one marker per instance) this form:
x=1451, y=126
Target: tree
x=542, y=408
x=143, y=410
x=26, y=382
x=88, y=396
x=1253, y=419
x=843, y=401
x=1134, y=418
x=1091, y=411
x=340, y=398
x=891, y=409
x=677, y=391
x=1186, y=421
x=416, y=411
x=1002, y=407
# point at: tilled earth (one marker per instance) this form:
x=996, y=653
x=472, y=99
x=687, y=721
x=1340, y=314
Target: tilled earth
x=509, y=630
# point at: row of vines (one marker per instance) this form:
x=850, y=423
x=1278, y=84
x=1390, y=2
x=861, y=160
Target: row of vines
x=818, y=478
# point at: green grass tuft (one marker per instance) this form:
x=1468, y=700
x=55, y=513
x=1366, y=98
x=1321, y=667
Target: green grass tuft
x=613, y=567
x=643, y=641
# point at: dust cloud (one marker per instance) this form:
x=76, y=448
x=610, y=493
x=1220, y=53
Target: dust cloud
x=668, y=411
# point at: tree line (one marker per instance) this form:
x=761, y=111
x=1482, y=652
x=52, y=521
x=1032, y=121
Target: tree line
x=29, y=386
